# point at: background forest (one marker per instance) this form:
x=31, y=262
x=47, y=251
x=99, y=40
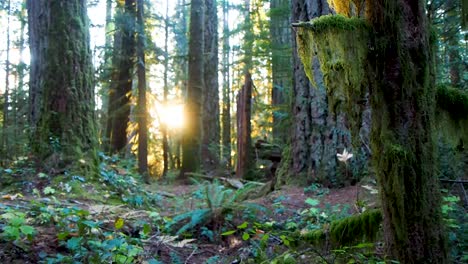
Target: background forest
x=233, y=131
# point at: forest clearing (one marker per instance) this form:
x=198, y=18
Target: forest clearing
x=234, y=131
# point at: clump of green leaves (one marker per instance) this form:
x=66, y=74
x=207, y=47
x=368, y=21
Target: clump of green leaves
x=456, y=221
x=89, y=240
x=16, y=228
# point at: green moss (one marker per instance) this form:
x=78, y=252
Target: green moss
x=66, y=129
x=341, y=46
x=454, y=101
x=326, y=23
x=363, y=227
x=452, y=114
x=348, y=231
x=316, y=237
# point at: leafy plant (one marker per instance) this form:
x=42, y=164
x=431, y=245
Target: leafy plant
x=16, y=229
x=219, y=202
x=456, y=221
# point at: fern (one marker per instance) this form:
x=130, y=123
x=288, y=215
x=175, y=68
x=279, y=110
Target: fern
x=219, y=201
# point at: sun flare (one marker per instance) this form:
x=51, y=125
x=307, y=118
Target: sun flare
x=171, y=115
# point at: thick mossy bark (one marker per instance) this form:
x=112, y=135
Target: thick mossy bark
x=65, y=123
x=402, y=95
x=348, y=231
x=403, y=100
x=341, y=47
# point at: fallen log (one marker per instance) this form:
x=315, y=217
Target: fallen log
x=236, y=183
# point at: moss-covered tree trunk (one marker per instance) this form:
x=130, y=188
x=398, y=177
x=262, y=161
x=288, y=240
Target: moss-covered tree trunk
x=122, y=75
x=210, y=117
x=62, y=82
x=191, y=143
x=402, y=99
x=317, y=134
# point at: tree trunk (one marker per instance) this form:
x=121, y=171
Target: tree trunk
x=191, y=147
x=106, y=74
x=6, y=99
x=61, y=71
x=402, y=99
x=122, y=77
x=165, y=141
x=180, y=66
x=37, y=28
x=226, y=110
x=211, y=128
x=142, y=112
x=317, y=134
x=452, y=36
x=244, y=141
x=281, y=64
x=20, y=100
x=245, y=163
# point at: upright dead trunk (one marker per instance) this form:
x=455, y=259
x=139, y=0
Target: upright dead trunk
x=402, y=100
x=244, y=129
x=142, y=112
x=244, y=165
x=281, y=42
x=122, y=76
x=191, y=147
x=210, y=116
x=62, y=74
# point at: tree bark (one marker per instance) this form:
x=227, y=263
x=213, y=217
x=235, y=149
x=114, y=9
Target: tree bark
x=402, y=99
x=452, y=36
x=37, y=28
x=62, y=84
x=226, y=110
x=6, y=99
x=165, y=141
x=122, y=77
x=244, y=166
x=210, y=117
x=281, y=64
x=142, y=112
x=317, y=134
x=244, y=141
x=191, y=148
x=106, y=74
x=180, y=66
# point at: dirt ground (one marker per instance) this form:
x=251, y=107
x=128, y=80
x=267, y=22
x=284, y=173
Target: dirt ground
x=291, y=198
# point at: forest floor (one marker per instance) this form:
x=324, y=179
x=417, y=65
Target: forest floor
x=53, y=211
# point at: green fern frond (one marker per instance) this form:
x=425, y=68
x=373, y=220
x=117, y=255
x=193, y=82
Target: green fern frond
x=198, y=217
